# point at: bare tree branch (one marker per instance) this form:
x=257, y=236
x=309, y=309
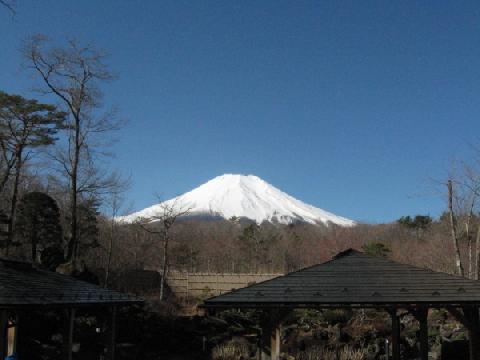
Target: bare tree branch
x=166, y=218
x=74, y=74
x=10, y=5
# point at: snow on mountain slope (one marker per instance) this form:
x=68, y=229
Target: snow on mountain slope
x=243, y=196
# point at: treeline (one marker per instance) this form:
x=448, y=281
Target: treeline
x=230, y=246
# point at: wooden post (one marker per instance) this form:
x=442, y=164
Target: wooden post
x=395, y=335
x=13, y=334
x=112, y=334
x=275, y=342
x=265, y=350
x=472, y=322
x=70, y=328
x=271, y=332
x=422, y=317
x=469, y=319
x=3, y=333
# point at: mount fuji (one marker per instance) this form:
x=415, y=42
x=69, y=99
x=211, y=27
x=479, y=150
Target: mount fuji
x=242, y=196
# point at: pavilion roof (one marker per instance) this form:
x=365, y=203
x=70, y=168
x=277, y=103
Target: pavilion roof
x=355, y=279
x=23, y=285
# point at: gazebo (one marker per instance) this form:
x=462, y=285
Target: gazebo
x=353, y=279
x=24, y=287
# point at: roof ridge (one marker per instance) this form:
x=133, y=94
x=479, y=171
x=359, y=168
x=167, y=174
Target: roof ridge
x=376, y=280
x=350, y=250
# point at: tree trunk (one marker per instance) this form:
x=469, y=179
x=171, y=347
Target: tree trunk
x=3, y=182
x=165, y=265
x=468, y=235
x=458, y=261
x=34, y=244
x=72, y=246
x=469, y=250
x=477, y=253
x=7, y=168
x=110, y=252
x=13, y=203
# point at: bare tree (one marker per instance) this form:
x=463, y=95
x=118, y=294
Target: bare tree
x=161, y=225
x=74, y=73
x=453, y=229
x=9, y=4
x=463, y=188
x=471, y=184
x=115, y=203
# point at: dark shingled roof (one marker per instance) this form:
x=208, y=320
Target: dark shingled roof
x=23, y=285
x=353, y=278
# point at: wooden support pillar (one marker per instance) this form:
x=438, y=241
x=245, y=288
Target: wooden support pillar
x=395, y=335
x=422, y=317
x=13, y=336
x=473, y=326
x=271, y=335
x=264, y=343
x=69, y=332
x=275, y=342
x=112, y=334
x=3, y=333
x=469, y=318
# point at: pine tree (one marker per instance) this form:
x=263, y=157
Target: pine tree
x=38, y=225
x=376, y=249
x=24, y=124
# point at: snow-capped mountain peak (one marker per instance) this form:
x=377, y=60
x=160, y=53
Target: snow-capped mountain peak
x=243, y=196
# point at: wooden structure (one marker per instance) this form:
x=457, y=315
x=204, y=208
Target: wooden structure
x=355, y=280
x=201, y=285
x=22, y=286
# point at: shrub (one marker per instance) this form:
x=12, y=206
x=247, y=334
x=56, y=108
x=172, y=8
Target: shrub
x=346, y=353
x=230, y=351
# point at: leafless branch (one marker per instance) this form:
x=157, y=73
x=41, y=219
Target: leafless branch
x=10, y=5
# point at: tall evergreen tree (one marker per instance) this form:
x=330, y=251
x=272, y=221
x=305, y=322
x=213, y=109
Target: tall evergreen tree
x=24, y=124
x=38, y=224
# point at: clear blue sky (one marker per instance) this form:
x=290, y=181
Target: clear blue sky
x=352, y=106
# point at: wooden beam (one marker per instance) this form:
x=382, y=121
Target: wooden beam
x=395, y=335
x=264, y=350
x=422, y=317
x=70, y=329
x=469, y=318
x=275, y=342
x=112, y=334
x=471, y=313
x=3, y=333
x=13, y=335
x=271, y=334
